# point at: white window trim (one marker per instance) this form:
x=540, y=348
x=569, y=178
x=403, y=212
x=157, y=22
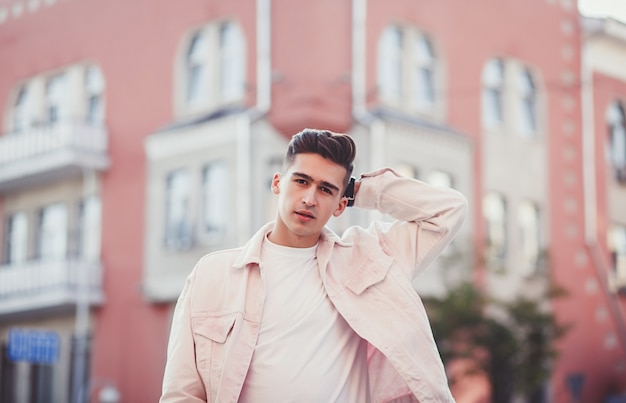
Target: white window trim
x=495, y=212
x=68, y=89
x=211, y=56
x=52, y=232
x=528, y=103
x=400, y=63
x=16, y=243
x=493, y=111
x=529, y=223
x=215, y=201
x=616, y=152
x=178, y=224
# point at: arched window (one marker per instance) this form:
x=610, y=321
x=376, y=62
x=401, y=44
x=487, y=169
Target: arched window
x=22, y=114
x=493, y=93
x=527, y=103
x=232, y=62
x=214, y=68
x=57, y=94
x=617, y=140
x=424, y=81
x=196, y=69
x=94, y=96
x=390, y=64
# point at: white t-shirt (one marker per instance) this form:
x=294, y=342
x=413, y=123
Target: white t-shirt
x=306, y=352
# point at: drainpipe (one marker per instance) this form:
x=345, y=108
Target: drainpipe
x=243, y=180
x=359, y=93
x=244, y=123
x=360, y=113
x=600, y=264
x=263, y=56
x=80, y=383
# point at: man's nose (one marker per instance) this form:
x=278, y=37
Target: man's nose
x=308, y=198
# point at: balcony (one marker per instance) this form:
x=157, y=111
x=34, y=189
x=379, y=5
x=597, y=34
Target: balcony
x=37, y=286
x=42, y=154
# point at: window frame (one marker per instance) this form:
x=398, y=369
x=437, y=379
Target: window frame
x=529, y=225
x=178, y=227
x=617, y=249
x=215, y=54
x=52, y=232
x=497, y=252
x=616, y=121
x=56, y=99
x=528, y=103
x=409, y=71
x=493, y=93
x=10, y=240
x=94, y=95
x=215, y=200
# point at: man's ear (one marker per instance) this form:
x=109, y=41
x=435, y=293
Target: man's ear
x=276, y=183
x=343, y=203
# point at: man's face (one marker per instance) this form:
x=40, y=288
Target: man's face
x=309, y=193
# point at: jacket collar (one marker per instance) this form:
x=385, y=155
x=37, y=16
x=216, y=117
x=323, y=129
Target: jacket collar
x=251, y=251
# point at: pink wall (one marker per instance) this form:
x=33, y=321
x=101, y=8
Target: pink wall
x=135, y=43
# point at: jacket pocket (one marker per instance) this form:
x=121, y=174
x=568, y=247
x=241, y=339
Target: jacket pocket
x=372, y=271
x=211, y=334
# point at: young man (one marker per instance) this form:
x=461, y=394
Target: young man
x=300, y=314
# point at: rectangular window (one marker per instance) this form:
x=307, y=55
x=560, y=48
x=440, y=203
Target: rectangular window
x=617, y=142
x=16, y=241
x=178, y=226
x=89, y=230
x=56, y=99
x=406, y=169
x=23, y=381
x=530, y=236
x=216, y=190
x=439, y=178
x=495, y=213
x=617, y=248
x=52, y=234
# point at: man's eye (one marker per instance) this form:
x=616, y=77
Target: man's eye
x=300, y=181
x=327, y=190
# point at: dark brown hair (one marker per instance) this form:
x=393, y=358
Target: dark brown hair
x=337, y=147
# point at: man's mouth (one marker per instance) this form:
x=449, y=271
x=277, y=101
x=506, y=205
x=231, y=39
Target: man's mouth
x=305, y=214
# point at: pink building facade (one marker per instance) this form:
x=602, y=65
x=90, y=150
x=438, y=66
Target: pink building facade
x=139, y=135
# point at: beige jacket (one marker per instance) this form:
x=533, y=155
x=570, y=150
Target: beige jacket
x=367, y=274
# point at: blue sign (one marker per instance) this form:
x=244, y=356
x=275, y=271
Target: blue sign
x=575, y=385
x=35, y=346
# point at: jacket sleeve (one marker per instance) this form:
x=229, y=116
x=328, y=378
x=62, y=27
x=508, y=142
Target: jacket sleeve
x=181, y=381
x=427, y=218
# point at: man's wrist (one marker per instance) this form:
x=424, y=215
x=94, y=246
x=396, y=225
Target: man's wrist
x=350, y=191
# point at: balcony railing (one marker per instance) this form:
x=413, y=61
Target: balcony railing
x=41, y=153
x=34, y=286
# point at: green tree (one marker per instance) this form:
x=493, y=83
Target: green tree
x=512, y=343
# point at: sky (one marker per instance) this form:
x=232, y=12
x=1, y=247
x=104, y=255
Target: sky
x=603, y=8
